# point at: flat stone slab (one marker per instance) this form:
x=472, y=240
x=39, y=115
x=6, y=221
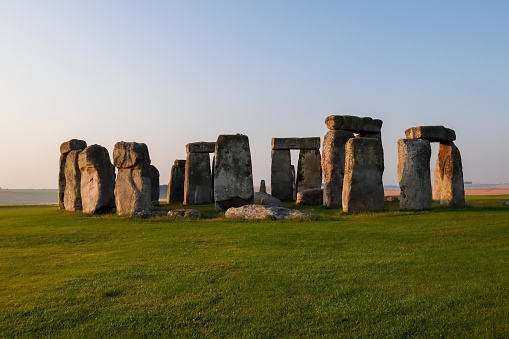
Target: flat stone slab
x=200, y=147
x=311, y=197
x=72, y=145
x=190, y=213
x=266, y=199
x=353, y=123
x=296, y=143
x=431, y=133
x=255, y=212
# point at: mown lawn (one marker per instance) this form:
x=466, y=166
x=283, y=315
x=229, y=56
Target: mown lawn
x=438, y=273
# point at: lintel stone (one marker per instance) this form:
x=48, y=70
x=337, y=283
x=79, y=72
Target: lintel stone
x=431, y=133
x=200, y=147
x=353, y=124
x=295, y=143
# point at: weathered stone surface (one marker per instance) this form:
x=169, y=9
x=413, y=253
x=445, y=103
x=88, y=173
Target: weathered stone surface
x=72, y=192
x=371, y=135
x=281, y=184
x=97, y=180
x=176, y=184
x=133, y=185
x=449, y=186
x=252, y=212
x=353, y=124
x=414, y=174
x=72, y=145
x=364, y=165
x=197, y=179
x=263, y=188
x=233, y=176
x=267, y=200
x=311, y=197
x=333, y=166
x=431, y=133
x=190, y=213
x=294, y=183
x=132, y=192
x=309, y=170
x=391, y=199
x=200, y=147
x=154, y=185
x=132, y=155
x=295, y=143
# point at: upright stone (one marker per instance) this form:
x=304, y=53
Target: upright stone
x=333, y=166
x=132, y=188
x=263, y=188
x=197, y=179
x=449, y=176
x=414, y=174
x=233, y=176
x=281, y=183
x=97, y=180
x=309, y=170
x=72, y=192
x=154, y=185
x=176, y=184
x=364, y=165
x=65, y=148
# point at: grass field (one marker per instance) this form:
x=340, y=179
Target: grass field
x=438, y=273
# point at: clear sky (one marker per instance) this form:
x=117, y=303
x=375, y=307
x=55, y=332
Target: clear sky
x=167, y=73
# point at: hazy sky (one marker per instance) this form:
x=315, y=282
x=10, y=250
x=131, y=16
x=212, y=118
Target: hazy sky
x=167, y=73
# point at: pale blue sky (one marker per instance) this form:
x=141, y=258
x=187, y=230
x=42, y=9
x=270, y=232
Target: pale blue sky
x=173, y=72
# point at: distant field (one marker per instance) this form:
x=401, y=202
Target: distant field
x=427, y=274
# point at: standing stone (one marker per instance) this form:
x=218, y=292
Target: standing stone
x=176, y=184
x=364, y=165
x=333, y=166
x=72, y=192
x=294, y=184
x=263, y=188
x=65, y=148
x=97, y=180
x=132, y=188
x=448, y=179
x=309, y=170
x=281, y=184
x=414, y=174
x=154, y=185
x=197, y=179
x=233, y=176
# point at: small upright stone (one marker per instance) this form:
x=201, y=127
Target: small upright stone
x=132, y=188
x=233, y=176
x=450, y=189
x=97, y=180
x=309, y=170
x=362, y=186
x=176, y=184
x=263, y=188
x=154, y=185
x=414, y=174
x=431, y=133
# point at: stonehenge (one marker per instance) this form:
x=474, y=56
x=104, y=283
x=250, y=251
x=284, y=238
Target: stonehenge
x=352, y=164
x=132, y=188
x=233, y=174
x=97, y=180
x=176, y=184
x=285, y=184
x=69, y=176
x=414, y=172
x=197, y=175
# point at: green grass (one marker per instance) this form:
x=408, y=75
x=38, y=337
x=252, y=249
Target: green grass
x=438, y=273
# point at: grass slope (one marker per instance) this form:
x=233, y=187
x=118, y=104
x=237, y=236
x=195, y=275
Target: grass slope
x=438, y=273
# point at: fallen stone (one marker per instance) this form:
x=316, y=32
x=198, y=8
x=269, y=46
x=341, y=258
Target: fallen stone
x=154, y=185
x=333, y=166
x=295, y=143
x=176, y=184
x=414, y=174
x=233, y=175
x=72, y=191
x=72, y=145
x=311, y=197
x=200, y=147
x=391, y=199
x=267, y=200
x=256, y=212
x=431, y=133
x=97, y=180
x=281, y=181
x=448, y=182
x=353, y=124
x=309, y=170
x=362, y=186
x=197, y=179
x=190, y=213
